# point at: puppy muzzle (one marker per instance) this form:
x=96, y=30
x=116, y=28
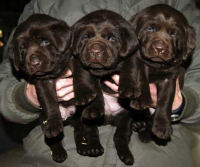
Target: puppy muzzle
x=96, y=55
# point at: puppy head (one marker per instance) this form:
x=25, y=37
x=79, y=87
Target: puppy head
x=164, y=34
x=39, y=44
x=102, y=38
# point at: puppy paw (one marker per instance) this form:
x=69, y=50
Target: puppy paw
x=126, y=157
x=128, y=92
x=141, y=103
x=93, y=112
x=162, y=128
x=83, y=97
x=58, y=153
x=52, y=127
x=123, y=151
x=87, y=145
x=139, y=126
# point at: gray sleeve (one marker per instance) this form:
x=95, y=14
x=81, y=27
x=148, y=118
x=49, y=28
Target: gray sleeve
x=14, y=105
x=191, y=90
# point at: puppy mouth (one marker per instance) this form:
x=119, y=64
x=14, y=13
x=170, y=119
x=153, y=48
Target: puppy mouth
x=156, y=59
x=96, y=66
x=39, y=73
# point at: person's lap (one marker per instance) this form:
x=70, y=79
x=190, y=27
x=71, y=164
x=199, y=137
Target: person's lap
x=177, y=153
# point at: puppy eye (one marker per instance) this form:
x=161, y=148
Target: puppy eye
x=173, y=33
x=151, y=29
x=86, y=36
x=44, y=42
x=111, y=38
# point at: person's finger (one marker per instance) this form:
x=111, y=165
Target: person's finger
x=153, y=91
x=116, y=79
x=64, y=91
x=178, y=99
x=67, y=97
x=178, y=90
x=113, y=86
x=68, y=73
x=31, y=94
x=61, y=83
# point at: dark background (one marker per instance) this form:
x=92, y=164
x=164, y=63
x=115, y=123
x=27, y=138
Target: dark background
x=9, y=13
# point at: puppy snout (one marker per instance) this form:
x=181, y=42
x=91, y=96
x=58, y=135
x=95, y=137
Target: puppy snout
x=160, y=47
x=35, y=60
x=96, y=51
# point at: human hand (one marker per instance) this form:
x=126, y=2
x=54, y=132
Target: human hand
x=177, y=98
x=64, y=89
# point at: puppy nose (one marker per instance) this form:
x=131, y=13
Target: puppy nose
x=159, y=46
x=96, y=50
x=34, y=60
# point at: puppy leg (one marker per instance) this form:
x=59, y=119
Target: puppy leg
x=144, y=100
x=52, y=123
x=87, y=139
x=122, y=137
x=84, y=84
x=128, y=84
x=162, y=120
x=96, y=108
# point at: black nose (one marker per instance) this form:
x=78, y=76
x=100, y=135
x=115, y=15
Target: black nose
x=160, y=47
x=34, y=60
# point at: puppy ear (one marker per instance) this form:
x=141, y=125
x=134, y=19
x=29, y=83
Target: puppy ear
x=76, y=38
x=190, y=43
x=62, y=34
x=14, y=55
x=129, y=40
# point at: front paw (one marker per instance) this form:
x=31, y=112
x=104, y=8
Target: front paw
x=84, y=96
x=52, y=127
x=141, y=103
x=162, y=128
x=128, y=91
x=93, y=112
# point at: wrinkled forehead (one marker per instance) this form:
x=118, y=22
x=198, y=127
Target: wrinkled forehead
x=100, y=27
x=34, y=32
x=162, y=20
x=165, y=14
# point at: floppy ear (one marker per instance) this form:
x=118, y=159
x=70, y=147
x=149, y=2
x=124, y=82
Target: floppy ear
x=75, y=37
x=14, y=55
x=129, y=40
x=133, y=21
x=190, y=43
x=62, y=35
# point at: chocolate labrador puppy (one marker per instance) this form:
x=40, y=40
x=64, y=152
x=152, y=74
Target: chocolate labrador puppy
x=103, y=43
x=40, y=49
x=166, y=41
